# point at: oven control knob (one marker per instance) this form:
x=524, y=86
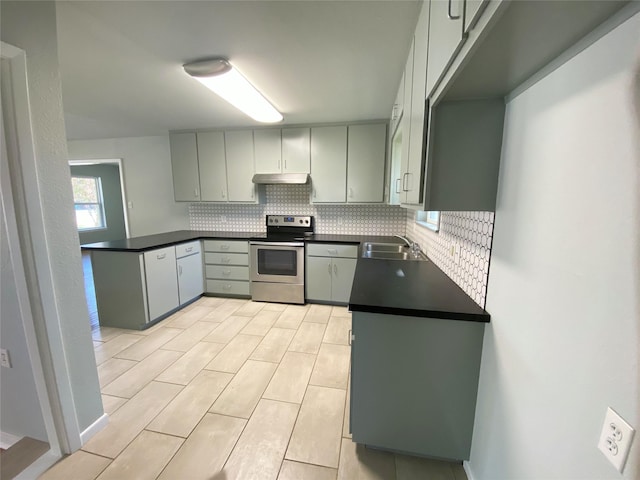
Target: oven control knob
x=276, y=220
x=306, y=221
x=300, y=221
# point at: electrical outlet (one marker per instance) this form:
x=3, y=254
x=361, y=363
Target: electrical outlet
x=129, y=204
x=456, y=253
x=223, y=219
x=5, y=360
x=615, y=439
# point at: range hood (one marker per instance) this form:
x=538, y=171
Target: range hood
x=281, y=178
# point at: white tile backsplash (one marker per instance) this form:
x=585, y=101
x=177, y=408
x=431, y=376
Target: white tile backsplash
x=473, y=231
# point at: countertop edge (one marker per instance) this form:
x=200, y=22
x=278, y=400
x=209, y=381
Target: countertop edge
x=407, y=312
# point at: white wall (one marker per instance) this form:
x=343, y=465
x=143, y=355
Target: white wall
x=564, y=290
x=31, y=26
x=148, y=180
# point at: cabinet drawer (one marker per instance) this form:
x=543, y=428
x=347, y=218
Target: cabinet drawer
x=224, y=272
x=185, y=249
x=226, y=258
x=332, y=250
x=234, y=246
x=228, y=287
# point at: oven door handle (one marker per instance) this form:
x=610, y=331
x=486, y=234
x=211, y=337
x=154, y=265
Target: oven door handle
x=278, y=244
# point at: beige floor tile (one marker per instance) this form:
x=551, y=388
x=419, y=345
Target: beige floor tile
x=136, y=378
x=129, y=420
x=261, y=323
x=458, y=471
x=234, y=354
x=189, y=317
x=104, y=334
x=111, y=404
x=79, y=466
x=114, y=346
x=303, y=471
x=273, y=345
x=148, y=331
x=190, y=364
x=243, y=392
x=228, y=329
x=149, y=344
x=260, y=449
x=360, y=463
x=190, y=405
x=291, y=378
x=275, y=307
x=308, y=338
x=318, y=314
x=112, y=369
x=144, y=458
x=206, y=450
x=291, y=316
x=249, y=309
x=211, y=301
x=347, y=412
x=340, y=312
x=189, y=337
x=415, y=468
x=338, y=330
x=224, y=310
x=332, y=366
x=316, y=436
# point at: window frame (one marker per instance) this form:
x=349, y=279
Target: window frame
x=99, y=203
x=428, y=219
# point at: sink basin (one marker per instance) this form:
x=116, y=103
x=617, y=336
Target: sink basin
x=384, y=247
x=392, y=255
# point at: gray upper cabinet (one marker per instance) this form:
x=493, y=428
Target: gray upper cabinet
x=184, y=164
x=240, y=166
x=398, y=106
x=268, y=150
x=213, y=168
x=366, y=147
x=296, y=147
x=446, y=36
x=329, y=164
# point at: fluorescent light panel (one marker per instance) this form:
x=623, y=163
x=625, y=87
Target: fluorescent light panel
x=225, y=81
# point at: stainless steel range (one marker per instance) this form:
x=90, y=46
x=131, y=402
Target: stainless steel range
x=276, y=260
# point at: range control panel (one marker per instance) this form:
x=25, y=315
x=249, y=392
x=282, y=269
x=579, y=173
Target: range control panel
x=289, y=221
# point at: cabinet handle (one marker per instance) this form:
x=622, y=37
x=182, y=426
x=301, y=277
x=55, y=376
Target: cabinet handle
x=329, y=267
x=222, y=191
x=161, y=257
x=224, y=247
x=332, y=251
x=404, y=183
x=350, y=192
x=226, y=273
x=315, y=193
x=180, y=270
x=226, y=287
x=397, y=185
x=350, y=337
x=195, y=192
x=285, y=163
x=226, y=260
x=335, y=269
x=252, y=191
x=188, y=249
x=449, y=14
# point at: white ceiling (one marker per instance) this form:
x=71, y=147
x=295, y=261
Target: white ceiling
x=317, y=61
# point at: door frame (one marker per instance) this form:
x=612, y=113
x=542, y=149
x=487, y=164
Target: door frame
x=118, y=163
x=31, y=260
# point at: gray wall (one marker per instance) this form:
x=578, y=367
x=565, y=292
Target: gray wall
x=31, y=26
x=20, y=412
x=148, y=182
x=112, y=197
x=564, y=291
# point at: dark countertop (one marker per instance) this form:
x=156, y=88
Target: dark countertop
x=410, y=288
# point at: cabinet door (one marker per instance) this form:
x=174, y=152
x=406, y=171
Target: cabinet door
x=240, y=166
x=343, y=271
x=213, y=169
x=190, y=281
x=329, y=164
x=366, y=154
x=162, y=283
x=268, y=150
x=184, y=164
x=318, y=282
x=415, y=163
x=296, y=150
x=446, y=34
x=405, y=125
x=398, y=106
x=472, y=11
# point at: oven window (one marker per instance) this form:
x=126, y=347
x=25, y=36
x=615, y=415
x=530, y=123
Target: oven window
x=277, y=262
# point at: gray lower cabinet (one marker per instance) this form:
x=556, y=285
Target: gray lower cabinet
x=329, y=272
x=161, y=278
x=226, y=264
x=414, y=383
x=190, y=279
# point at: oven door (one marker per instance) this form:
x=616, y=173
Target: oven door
x=277, y=262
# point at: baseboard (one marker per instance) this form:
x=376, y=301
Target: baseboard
x=6, y=440
x=38, y=467
x=467, y=470
x=94, y=428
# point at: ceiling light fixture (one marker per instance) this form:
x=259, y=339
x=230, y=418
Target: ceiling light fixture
x=222, y=78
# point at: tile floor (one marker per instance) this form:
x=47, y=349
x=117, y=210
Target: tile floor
x=233, y=389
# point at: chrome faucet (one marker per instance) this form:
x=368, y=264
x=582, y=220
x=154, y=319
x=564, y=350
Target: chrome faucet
x=415, y=247
x=405, y=239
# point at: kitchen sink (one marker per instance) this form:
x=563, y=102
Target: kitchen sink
x=389, y=251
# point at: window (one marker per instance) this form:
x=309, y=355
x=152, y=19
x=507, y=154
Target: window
x=87, y=197
x=430, y=220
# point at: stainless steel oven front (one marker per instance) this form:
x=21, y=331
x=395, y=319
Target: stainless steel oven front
x=277, y=271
